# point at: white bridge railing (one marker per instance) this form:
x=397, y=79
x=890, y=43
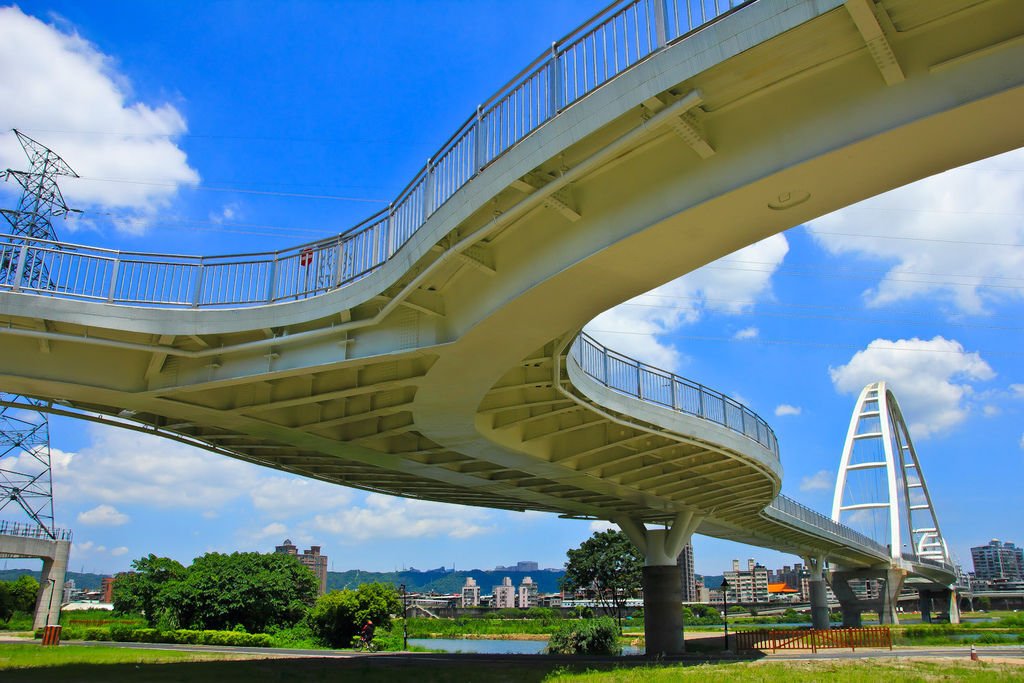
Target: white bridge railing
x=787, y=506
x=611, y=42
x=653, y=385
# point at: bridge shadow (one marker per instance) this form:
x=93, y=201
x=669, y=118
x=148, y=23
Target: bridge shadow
x=382, y=668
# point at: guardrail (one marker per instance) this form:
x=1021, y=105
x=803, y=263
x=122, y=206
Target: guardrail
x=653, y=385
x=911, y=557
x=33, y=531
x=787, y=506
x=608, y=44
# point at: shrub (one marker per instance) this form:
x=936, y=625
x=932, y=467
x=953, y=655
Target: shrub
x=121, y=632
x=338, y=616
x=96, y=633
x=181, y=636
x=586, y=637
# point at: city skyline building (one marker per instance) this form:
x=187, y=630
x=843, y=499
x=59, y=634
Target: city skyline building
x=505, y=594
x=527, y=596
x=311, y=558
x=998, y=560
x=747, y=586
x=687, y=576
x=470, y=593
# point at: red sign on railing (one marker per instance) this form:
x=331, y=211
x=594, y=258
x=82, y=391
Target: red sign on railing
x=305, y=257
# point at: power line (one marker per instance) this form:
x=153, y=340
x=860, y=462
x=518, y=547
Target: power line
x=915, y=239
x=811, y=344
x=876, y=321
x=207, y=188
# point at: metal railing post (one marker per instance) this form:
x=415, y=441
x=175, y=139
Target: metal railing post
x=604, y=356
x=340, y=267
x=554, y=82
x=272, y=280
x=428, y=192
x=660, y=24
x=19, y=270
x=113, y=280
x=390, y=228
x=480, y=151
x=198, y=289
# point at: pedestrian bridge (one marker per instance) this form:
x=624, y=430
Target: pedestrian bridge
x=433, y=350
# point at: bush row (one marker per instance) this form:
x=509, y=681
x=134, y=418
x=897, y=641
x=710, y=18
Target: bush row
x=151, y=635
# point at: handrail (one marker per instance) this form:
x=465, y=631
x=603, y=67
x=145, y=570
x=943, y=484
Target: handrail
x=638, y=379
x=25, y=530
x=788, y=506
x=611, y=42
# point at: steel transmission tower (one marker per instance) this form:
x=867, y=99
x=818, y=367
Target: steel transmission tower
x=25, y=476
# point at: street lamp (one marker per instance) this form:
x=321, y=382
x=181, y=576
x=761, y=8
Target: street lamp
x=725, y=612
x=405, y=620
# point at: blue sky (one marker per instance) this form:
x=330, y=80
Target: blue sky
x=225, y=127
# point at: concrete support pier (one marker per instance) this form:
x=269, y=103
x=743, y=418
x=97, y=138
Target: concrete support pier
x=924, y=605
x=28, y=541
x=882, y=601
x=820, y=618
x=662, y=580
x=663, y=610
x=948, y=599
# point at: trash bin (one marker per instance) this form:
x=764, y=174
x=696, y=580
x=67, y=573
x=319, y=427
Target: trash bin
x=51, y=635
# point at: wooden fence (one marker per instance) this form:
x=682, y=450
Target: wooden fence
x=811, y=639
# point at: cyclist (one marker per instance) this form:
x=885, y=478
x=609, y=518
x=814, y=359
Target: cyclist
x=366, y=636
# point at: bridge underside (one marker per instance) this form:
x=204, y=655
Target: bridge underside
x=443, y=374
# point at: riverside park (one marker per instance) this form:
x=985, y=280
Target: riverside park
x=919, y=653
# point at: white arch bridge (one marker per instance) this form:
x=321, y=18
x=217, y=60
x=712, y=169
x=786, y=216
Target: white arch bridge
x=432, y=350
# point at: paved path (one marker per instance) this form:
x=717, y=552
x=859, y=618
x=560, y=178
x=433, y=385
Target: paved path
x=1003, y=652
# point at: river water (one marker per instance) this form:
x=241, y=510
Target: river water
x=496, y=647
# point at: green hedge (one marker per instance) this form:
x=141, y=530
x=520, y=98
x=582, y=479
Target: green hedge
x=586, y=637
x=126, y=634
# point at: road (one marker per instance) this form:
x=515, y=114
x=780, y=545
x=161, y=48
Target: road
x=1003, y=652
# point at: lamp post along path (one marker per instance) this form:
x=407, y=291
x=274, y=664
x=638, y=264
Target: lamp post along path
x=725, y=612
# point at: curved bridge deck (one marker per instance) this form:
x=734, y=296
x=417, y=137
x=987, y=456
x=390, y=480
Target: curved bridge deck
x=428, y=352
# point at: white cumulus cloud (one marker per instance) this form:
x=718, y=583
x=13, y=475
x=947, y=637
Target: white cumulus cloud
x=119, y=551
x=599, y=525
x=747, y=333
x=822, y=480
x=387, y=517
x=943, y=233
x=103, y=515
x=121, y=467
x=729, y=285
x=931, y=379
x=62, y=91
x=291, y=496
x=786, y=409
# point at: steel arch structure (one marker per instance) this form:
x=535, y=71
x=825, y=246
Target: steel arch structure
x=878, y=443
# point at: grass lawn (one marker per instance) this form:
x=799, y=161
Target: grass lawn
x=70, y=664
x=33, y=655
x=789, y=672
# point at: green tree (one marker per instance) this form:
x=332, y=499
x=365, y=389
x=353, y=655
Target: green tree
x=25, y=591
x=338, y=616
x=610, y=566
x=6, y=602
x=251, y=590
x=147, y=589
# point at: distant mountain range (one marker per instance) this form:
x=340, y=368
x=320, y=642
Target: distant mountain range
x=431, y=581
x=443, y=580
x=85, y=581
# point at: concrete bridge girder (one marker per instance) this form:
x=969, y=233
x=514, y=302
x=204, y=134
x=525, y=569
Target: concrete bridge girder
x=777, y=114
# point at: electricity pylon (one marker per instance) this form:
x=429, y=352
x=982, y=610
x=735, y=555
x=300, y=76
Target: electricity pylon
x=25, y=473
